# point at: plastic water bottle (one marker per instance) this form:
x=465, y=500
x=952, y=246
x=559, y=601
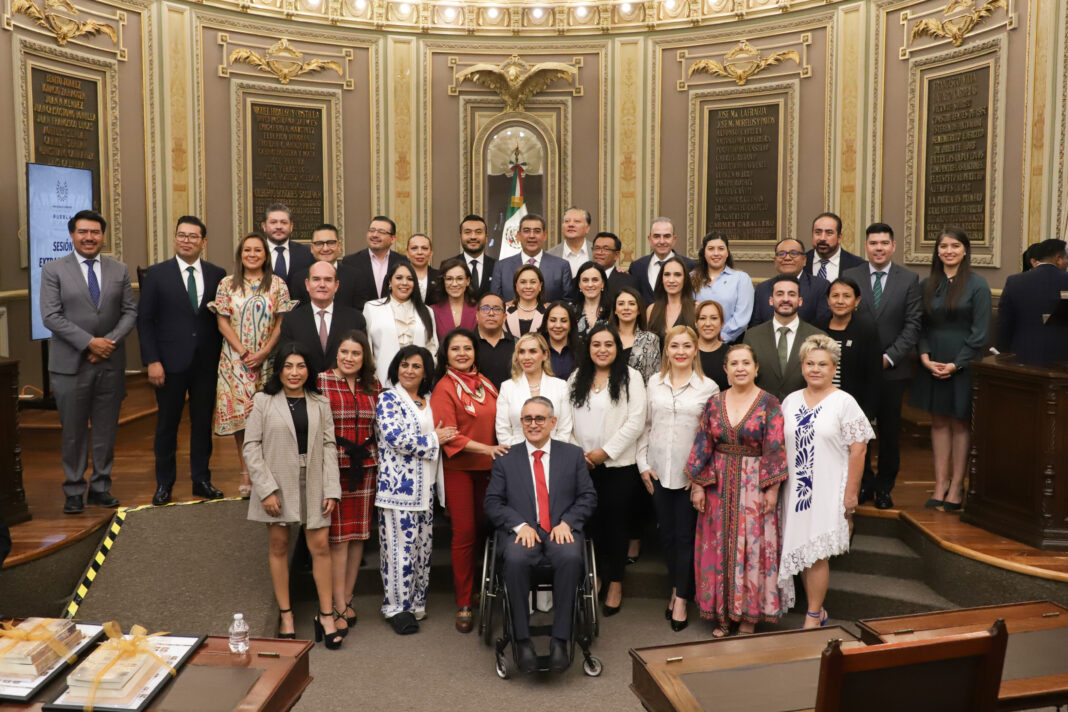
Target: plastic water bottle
x=239, y=635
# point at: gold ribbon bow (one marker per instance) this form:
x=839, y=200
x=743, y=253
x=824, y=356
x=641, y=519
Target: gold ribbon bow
x=126, y=647
x=39, y=632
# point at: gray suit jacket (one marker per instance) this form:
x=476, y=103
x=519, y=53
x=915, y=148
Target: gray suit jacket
x=557, y=250
x=898, y=317
x=68, y=311
x=761, y=339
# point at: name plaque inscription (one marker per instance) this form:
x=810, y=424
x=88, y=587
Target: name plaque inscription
x=287, y=163
x=65, y=122
x=956, y=157
x=743, y=171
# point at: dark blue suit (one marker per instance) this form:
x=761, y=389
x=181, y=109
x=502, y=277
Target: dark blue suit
x=555, y=270
x=511, y=501
x=813, y=300
x=300, y=259
x=639, y=269
x=187, y=343
x=1026, y=299
x=846, y=260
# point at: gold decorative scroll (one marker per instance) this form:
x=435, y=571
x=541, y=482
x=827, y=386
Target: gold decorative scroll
x=516, y=81
x=283, y=61
x=957, y=28
x=61, y=27
x=742, y=62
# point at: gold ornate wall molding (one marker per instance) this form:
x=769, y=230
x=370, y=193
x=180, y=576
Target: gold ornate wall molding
x=1060, y=187
x=514, y=80
x=403, y=205
x=744, y=61
x=29, y=54
x=1039, y=119
x=626, y=169
x=285, y=62
x=989, y=53
x=68, y=24
x=953, y=23
x=848, y=159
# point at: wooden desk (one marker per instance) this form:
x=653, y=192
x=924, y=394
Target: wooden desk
x=280, y=684
x=769, y=672
x=1036, y=666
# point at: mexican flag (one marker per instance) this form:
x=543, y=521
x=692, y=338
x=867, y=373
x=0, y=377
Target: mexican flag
x=516, y=210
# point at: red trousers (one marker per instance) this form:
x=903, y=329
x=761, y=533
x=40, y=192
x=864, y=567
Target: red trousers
x=464, y=493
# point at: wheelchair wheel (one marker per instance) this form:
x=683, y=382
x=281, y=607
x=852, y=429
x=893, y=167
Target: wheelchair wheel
x=486, y=594
x=592, y=666
x=485, y=621
x=502, y=666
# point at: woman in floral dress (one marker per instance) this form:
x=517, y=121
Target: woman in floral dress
x=249, y=305
x=736, y=466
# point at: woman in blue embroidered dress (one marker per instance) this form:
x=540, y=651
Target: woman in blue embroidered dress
x=827, y=435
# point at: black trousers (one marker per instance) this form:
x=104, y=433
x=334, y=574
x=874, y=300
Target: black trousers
x=566, y=561
x=616, y=489
x=677, y=520
x=199, y=382
x=888, y=429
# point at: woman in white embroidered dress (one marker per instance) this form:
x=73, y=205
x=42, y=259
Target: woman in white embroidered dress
x=827, y=435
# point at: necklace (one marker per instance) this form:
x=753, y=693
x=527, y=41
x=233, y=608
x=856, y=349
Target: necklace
x=292, y=402
x=522, y=308
x=598, y=389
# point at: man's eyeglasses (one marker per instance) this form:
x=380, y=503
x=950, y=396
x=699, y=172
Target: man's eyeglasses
x=531, y=419
x=186, y=236
x=324, y=243
x=487, y=309
x=378, y=231
x=789, y=253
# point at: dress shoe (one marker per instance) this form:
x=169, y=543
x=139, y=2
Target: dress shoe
x=865, y=495
x=558, y=658
x=102, y=499
x=679, y=625
x=526, y=657
x=883, y=500
x=465, y=620
x=206, y=490
x=610, y=611
x=73, y=505
x=162, y=496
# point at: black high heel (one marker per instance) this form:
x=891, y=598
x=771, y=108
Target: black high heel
x=331, y=640
x=350, y=621
x=287, y=636
x=340, y=616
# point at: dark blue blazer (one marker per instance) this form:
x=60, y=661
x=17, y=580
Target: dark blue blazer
x=167, y=327
x=510, y=498
x=813, y=309
x=1025, y=300
x=300, y=259
x=847, y=260
x=639, y=269
x=556, y=270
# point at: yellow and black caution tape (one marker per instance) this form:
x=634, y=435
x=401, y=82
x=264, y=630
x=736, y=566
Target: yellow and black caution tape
x=109, y=541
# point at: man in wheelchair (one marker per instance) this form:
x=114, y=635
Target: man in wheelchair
x=542, y=494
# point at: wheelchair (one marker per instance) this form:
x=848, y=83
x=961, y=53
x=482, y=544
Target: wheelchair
x=493, y=604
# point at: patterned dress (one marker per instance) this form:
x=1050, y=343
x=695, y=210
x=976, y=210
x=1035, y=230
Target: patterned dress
x=354, y=420
x=813, y=502
x=736, y=550
x=251, y=316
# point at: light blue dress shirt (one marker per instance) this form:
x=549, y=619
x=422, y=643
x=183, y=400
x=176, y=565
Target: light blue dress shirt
x=733, y=289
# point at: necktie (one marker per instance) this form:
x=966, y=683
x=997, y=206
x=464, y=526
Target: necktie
x=542, y=490
x=191, y=287
x=877, y=288
x=94, y=285
x=280, y=262
x=474, y=275
x=784, y=352
x=660, y=268
x=822, y=274
x=532, y=261
x=322, y=329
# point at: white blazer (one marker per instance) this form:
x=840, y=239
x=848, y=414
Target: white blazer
x=624, y=422
x=382, y=332
x=515, y=392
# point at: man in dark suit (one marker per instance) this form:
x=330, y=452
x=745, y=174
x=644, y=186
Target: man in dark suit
x=606, y=249
x=777, y=343
x=326, y=247
x=546, y=516
x=473, y=238
x=180, y=344
x=1027, y=302
x=88, y=304
x=645, y=270
x=319, y=325
x=889, y=296
x=373, y=264
x=420, y=252
x=555, y=270
x=789, y=254
x=828, y=259
x=288, y=258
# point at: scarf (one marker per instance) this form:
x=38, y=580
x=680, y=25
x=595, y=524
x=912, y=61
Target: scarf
x=471, y=387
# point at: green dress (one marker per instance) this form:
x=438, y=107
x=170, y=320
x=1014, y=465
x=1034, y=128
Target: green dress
x=957, y=337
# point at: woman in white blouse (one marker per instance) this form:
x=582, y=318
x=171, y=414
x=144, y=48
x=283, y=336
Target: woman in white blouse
x=676, y=398
x=608, y=398
x=398, y=319
x=531, y=376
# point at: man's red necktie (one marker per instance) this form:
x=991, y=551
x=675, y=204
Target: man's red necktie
x=542, y=490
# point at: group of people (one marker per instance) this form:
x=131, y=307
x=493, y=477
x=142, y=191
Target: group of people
x=374, y=379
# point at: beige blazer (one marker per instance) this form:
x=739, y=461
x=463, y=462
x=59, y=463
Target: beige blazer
x=274, y=464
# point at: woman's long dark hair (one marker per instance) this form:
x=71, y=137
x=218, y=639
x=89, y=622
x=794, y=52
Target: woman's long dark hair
x=938, y=272
x=470, y=298
x=639, y=323
x=365, y=379
x=239, y=268
x=658, y=315
x=699, y=276
x=618, y=377
x=405, y=353
x=580, y=300
x=416, y=298
x=290, y=348
x=574, y=339
x=443, y=350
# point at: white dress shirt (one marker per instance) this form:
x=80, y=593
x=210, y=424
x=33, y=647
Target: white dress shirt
x=285, y=255
x=673, y=417
x=329, y=309
x=791, y=335
x=654, y=267
x=85, y=269
x=576, y=259
x=198, y=275
x=526, y=259
x=534, y=480
x=832, y=265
